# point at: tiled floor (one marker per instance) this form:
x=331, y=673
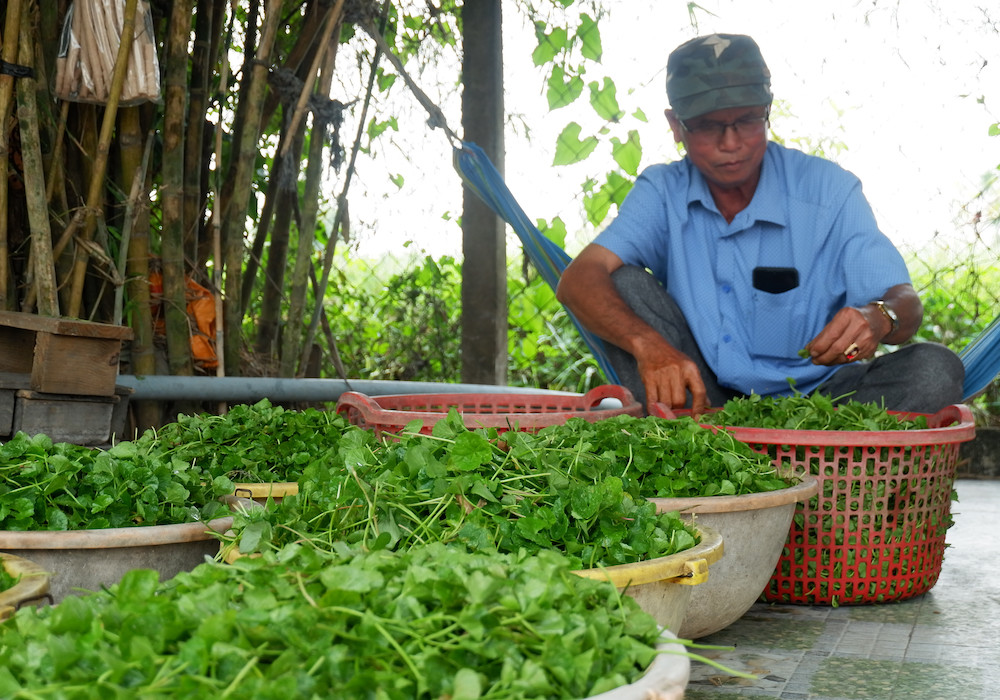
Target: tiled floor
x=944, y=645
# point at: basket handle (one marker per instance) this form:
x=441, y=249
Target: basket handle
x=956, y=414
x=608, y=391
x=661, y=410
x=695, y=573
x=358, y=401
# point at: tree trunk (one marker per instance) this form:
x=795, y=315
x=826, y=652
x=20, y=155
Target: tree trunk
x=9, y=55
x=143, y=359
x=484, y=266
x=172, y=192
x=41, y=272
x=244, y=157
x=202, y=62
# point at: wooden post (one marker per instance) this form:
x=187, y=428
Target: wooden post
x=10, y=48
x=42, y=272
x=484, y=270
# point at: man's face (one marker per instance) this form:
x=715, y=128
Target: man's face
x=727, y=146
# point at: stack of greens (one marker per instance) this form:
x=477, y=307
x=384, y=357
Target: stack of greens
x=810, y=412
x=581, y=488
x=259, y=443
x=459, y=486
x=654, y=457
x=60, y=486
x=431, y=622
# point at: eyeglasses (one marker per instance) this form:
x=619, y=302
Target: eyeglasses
x=744, y=127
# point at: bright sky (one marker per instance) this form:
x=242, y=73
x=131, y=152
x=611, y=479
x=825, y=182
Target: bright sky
x=910, y=90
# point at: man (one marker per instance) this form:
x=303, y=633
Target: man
x=767, y=264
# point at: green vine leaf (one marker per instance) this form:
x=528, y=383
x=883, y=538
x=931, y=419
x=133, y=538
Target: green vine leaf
x=613, y=191
x=628, y=154
x=604, y=100
x=570, y=148
x=549, y=45
x=589, y=35
x=562, y=89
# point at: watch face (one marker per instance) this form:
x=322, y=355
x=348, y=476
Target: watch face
x=889, y=314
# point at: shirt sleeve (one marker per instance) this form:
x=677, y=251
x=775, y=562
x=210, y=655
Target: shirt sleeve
x=868, y=261
x=638, y=234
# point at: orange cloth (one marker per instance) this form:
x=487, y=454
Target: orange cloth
x=201, y=311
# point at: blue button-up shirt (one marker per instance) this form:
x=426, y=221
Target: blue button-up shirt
x=807, y=213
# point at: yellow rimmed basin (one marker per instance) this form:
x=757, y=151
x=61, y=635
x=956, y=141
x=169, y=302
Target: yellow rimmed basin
x=663, y=586
x=755, y=527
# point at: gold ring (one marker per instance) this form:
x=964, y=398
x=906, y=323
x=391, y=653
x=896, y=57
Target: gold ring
x=852, y=351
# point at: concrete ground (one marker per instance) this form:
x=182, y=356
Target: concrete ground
x=943, y=645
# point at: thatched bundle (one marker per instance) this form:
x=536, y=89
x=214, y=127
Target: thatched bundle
x=86, y=61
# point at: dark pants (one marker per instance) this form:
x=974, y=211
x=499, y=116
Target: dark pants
x=922, y=377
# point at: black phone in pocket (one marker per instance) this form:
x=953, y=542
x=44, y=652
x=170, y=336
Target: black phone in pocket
x=775, y=280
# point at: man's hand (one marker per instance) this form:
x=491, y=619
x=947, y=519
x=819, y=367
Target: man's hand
x=587, y=290
x=854, y=333
x=848, y=337
x=668, y=375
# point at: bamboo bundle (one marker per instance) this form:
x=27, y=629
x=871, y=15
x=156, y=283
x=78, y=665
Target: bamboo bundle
x=85, y=63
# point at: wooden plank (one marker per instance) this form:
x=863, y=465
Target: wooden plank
x=82, y=420
x=75, y=365
x=6, y=412
x=17, y=349
x=119, y=414
x=64, y=326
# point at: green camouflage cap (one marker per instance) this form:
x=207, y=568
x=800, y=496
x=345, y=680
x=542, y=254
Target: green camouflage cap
x=716, y=72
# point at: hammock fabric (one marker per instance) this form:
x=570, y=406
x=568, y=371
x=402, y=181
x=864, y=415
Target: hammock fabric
x=981, y=356
x=482, y=177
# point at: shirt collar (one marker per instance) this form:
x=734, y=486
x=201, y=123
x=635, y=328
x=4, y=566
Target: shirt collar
x=768, y=203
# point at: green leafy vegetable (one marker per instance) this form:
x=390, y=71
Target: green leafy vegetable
x=60, y=486
x=655, y=458
x=6, y=580
x=461, y=487
x=251, y=443
x=810, y=412
x=432, y=622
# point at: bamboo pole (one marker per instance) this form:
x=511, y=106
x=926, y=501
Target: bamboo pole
x=307, y=230
x=41, y=268
x=234, y=221
x=101, y=161
x=220, y=337
x=332, y=22
x=56, y=172
x=194, y=135
x=9, y=54
x=143, y=358
x=172, y=227
x=342, y=217
x=132, y=212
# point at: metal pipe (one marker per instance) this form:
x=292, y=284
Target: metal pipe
x=252, y=389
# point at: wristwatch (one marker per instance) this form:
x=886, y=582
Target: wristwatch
x=889, y=314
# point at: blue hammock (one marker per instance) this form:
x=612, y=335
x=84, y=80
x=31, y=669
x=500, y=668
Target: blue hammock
x=482, y=177
x=981, y=356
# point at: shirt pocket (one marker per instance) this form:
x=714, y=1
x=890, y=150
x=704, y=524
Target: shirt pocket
x=778, y=326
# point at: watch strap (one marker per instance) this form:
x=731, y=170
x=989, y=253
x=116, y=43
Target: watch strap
x=888, y=313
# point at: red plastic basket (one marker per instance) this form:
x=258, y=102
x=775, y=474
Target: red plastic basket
x=875, y=532
x=524, y=412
